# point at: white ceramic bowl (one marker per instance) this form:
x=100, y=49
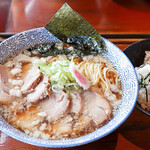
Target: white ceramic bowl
x=113, y=54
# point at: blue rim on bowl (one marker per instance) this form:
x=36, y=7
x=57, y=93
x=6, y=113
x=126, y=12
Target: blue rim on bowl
x=113, y=54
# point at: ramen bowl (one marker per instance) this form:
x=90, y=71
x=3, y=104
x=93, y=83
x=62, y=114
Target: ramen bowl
x=119, y=60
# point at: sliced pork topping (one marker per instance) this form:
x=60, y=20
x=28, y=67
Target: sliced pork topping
x=41, y=91
x=4, y=97
x=28, y=119
x=64, y=126
x=76, y=102
x=4, y=85
x=4, y=74
x=83, y=124
x=56, y=106
x=32, y=78
x=98, y=107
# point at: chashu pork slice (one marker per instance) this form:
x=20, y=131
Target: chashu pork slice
x=76, y=102
x=41, y=91
x=4, y=85
x=56, y=106
x=98, y=107
x=83, y=124
x=63, y=126
x=31, y=80
x=28, y=119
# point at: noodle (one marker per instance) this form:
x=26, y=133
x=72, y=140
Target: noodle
x=99, y=74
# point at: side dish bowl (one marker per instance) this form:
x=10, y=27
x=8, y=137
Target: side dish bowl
x=136, y=53
x=122, y=64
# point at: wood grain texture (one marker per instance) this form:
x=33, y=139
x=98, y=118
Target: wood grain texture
x=107, y=16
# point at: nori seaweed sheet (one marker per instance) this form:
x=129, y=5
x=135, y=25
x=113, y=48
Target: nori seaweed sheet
x=69, y=27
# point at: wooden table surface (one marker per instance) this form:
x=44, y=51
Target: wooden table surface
x=122, y=22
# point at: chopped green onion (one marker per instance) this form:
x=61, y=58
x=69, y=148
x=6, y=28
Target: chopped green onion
x=58, y=72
